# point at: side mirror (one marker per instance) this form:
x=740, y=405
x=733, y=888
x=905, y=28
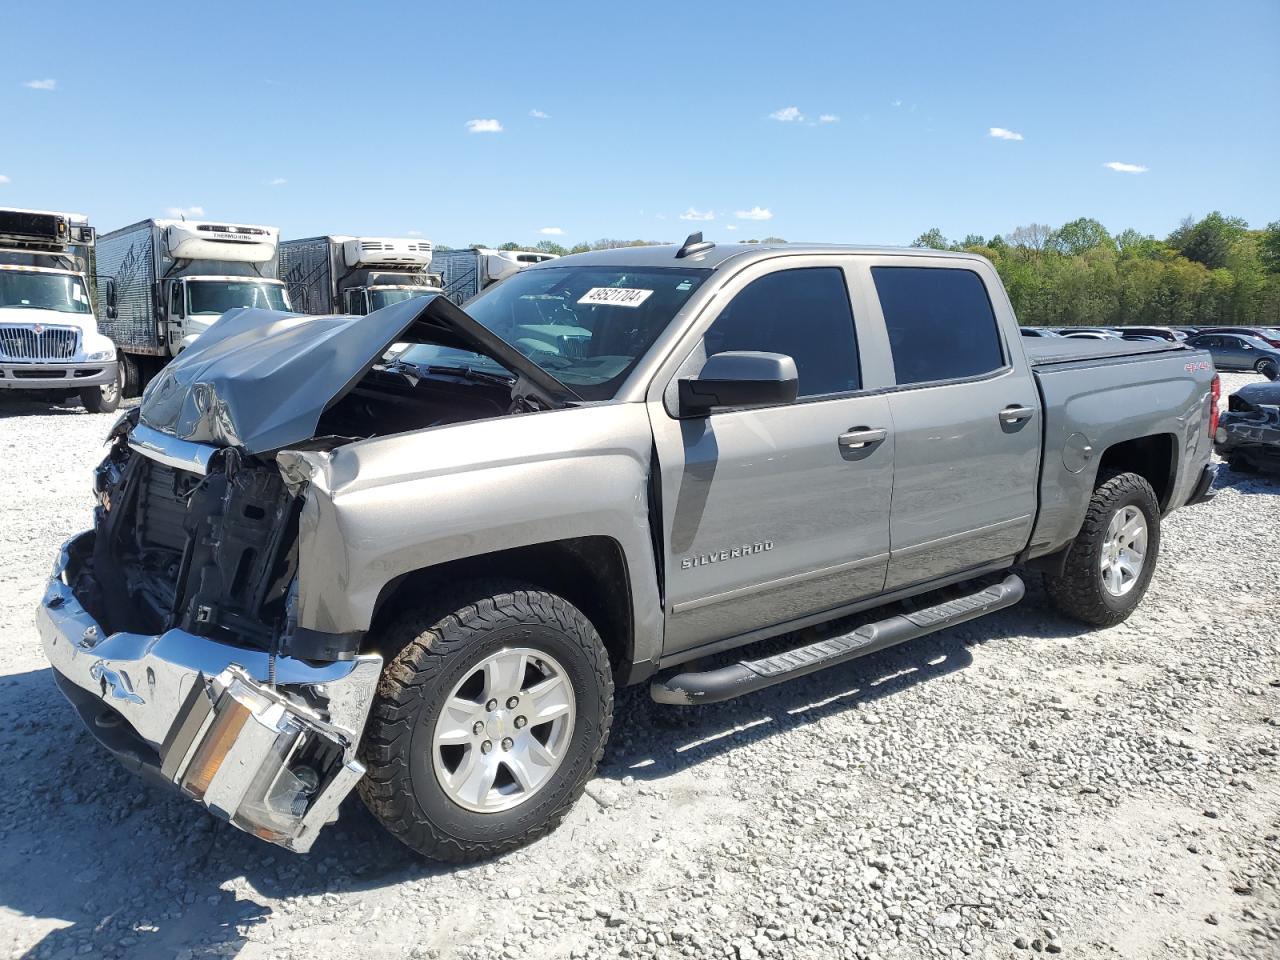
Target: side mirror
x=110, y=294
x=740, y=378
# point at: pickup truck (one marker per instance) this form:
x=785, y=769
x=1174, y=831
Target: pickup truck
x=412, y=553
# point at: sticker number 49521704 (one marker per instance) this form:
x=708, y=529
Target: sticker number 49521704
x=615, y=296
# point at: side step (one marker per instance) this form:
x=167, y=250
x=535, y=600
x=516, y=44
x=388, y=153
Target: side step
x=725, y=683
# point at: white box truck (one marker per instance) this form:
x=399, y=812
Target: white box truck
x=355, y=275
x=464, y=273
x=174, y=278
x=49, y=338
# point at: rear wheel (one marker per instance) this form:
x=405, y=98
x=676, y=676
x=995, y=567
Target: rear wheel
x=1110, y=563
x=130, y=382
x=1267, y=367
x=488, y=722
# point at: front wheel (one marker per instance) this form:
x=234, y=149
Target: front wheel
x=1267, y=368
x=488, y=722
x=1110, y=563
x=103, y=399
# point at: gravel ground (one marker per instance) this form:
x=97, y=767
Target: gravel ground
x=1014, y=785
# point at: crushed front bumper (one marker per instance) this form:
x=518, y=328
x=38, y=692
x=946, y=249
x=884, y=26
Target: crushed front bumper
x=39, y=375
x=275, y=759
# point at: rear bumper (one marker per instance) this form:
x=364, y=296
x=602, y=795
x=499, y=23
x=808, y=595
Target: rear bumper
x=1203, y=491
x=273, y=759
x=32, y=375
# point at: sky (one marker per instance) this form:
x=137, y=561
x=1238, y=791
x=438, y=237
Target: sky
x=469, y=123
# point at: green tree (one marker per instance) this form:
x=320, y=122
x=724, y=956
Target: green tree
x=1269, y=247
x=550, y=246
x=1080, y=236
x=1208, y=241
x=973, y=240
x=932, y=239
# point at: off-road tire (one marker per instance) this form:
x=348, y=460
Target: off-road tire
x=1078, y=591
x=437, y=644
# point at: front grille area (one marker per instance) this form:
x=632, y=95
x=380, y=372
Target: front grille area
x=51, y=343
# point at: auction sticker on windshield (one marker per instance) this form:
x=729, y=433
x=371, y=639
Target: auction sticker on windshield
x=616, y=296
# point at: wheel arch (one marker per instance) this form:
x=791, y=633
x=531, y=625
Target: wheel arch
x=590, y=572
x=1153, y=457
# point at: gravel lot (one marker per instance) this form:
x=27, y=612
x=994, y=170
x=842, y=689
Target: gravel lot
x=1015, y=785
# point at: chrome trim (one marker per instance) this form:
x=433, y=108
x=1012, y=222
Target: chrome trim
x=171, y=451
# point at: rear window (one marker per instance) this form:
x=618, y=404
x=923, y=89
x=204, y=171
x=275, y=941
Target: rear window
x=940, y=322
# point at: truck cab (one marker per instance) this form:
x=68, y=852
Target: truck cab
x=167, y=282
x=49, y=339
x=356, y=275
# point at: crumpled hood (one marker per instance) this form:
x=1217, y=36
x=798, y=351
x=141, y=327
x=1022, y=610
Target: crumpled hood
x=260, y=379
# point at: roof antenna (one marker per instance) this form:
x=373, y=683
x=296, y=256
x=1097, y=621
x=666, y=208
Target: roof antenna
x=693, y=244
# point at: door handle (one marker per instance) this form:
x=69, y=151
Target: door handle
x=1015, y=414
x=862, y=437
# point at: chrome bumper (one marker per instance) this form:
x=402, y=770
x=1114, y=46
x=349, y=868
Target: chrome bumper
x=210, y=721
x=60, y=375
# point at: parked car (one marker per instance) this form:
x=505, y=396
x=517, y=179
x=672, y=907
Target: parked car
x=1038, y=332
x=1233, y=351
x=313, y=570
x=1164, y=333
x=1092, y=335
x=1270, y=335
x=1248, y=434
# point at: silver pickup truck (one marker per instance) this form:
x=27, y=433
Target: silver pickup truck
x=414, y=552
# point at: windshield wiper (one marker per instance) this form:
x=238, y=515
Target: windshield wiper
x=461, y=370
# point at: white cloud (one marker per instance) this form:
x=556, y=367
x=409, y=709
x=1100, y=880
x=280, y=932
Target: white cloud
x=551, y=232
x=414, y=233
x=755, y=213
x=277, y=182
x=484, y=126
x=1119, y=167
x=692, y=214
x=196, y=211
x=896, y=103
x=539, y=115
x=40, y=84
x=828, y=118
x=787, y=115
x=4, y=179
x=731, y=226
x=1000, y=133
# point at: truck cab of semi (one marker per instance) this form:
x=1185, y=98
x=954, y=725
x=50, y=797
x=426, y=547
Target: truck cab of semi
x=49, y=339
x=173, y=278
x=355, y=275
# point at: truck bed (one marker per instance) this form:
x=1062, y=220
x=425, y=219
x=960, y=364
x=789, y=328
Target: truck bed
x=1042, y=351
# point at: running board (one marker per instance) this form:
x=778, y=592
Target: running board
x=725, y=683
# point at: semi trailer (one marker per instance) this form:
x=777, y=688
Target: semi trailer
x=464, y=273
x=49, y=338
x=355, y=275
x=174, y=278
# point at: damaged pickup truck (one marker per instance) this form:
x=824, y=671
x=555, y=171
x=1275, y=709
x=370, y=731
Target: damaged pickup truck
x=412, y=553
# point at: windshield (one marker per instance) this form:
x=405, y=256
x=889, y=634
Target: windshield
x=43, y=291
x=587, y=326
x=380, y=297
x=218, y=296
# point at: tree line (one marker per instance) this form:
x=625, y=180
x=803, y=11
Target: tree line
x=1206, y=272
x=1214, y=270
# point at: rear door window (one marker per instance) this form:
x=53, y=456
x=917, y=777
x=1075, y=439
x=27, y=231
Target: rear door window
x=940, y=322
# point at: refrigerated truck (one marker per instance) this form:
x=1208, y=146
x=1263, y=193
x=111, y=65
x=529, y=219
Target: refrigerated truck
x=49, y=337
x=174, y=278
x=464, y=273
x=355, y=275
